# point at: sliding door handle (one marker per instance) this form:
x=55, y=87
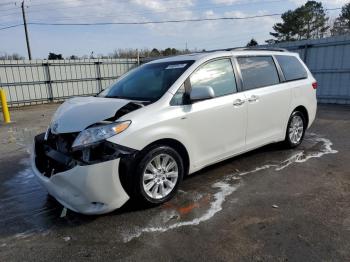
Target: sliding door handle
x=238, y=102
x=253, y=98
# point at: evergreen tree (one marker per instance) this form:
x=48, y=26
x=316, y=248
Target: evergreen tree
x=252, y=42
x=308, y=21
x=341, y=24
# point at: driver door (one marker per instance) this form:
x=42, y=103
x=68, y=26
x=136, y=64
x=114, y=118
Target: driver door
x=217, y=126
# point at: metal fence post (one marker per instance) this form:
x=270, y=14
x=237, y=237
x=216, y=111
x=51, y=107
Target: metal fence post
x=306, y=49
x=98, y=75
x=48, y=81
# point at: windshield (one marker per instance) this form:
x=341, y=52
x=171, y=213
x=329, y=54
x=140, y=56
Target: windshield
x=148, y=82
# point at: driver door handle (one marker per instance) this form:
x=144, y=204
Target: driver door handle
x=238, y=102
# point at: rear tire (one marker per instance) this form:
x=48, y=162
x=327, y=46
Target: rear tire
x=158, y=175
x=295, y=129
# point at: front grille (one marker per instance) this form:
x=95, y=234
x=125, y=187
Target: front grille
x=45, y=150
x=61, y=142
x=55, y=155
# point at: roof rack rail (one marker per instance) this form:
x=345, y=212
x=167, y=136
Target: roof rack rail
x=250, y=49
x=258, y=49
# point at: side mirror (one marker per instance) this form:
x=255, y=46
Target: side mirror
x=201, y=93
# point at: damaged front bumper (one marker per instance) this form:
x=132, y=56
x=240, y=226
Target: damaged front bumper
x=87, y=188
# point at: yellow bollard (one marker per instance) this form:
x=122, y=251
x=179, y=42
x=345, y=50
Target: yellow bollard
x=5, y=110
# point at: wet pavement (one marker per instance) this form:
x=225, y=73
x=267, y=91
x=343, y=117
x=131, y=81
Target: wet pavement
x=271, y=204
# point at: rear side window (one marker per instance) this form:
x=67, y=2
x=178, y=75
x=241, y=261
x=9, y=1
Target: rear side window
x=291, y=67
x=258, y=71
x=218, y=74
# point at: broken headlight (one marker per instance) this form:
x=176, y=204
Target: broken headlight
x=93, y=135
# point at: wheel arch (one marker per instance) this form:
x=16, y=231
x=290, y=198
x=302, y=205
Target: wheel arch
x=175, y=144
x=303, y=110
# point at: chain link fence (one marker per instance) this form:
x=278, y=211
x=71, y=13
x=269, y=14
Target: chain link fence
x=40, y=81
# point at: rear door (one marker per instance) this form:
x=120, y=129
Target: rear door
x=268, y=99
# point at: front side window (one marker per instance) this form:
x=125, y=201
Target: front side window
x=148, y=82
x=258, y=71
x=217, y=74
x=291, y=67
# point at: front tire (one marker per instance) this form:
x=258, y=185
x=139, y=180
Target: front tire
x=158, y=175
x=295, y=129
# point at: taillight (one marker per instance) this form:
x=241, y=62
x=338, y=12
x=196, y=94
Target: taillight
x=314, y=85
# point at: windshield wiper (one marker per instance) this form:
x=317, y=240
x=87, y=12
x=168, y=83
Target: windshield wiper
x=131, y=98
x=120, y=97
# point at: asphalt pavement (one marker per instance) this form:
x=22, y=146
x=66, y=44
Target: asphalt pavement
x=271, y=204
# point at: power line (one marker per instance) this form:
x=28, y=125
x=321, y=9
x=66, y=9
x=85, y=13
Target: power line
x=153, y=22
x=84, y=2
x=81, y=5
x=161, y=22
x=162, y=10
x=8, y=3
x=5, y=10
x=10, y=14
x=143, y=13
x=65, y=18
x=11, y=26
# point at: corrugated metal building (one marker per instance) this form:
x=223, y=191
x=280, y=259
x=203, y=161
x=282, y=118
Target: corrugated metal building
x=329, y=61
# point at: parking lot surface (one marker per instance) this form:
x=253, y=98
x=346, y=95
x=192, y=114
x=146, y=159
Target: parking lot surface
x=271, y=204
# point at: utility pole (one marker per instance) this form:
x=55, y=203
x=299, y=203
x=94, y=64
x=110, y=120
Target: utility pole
x=26, y=30
x=138, y=56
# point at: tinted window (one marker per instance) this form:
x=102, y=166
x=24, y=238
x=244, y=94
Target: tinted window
x=148, y=82
x=258, y=71
x=291, y=67
x=217, y=74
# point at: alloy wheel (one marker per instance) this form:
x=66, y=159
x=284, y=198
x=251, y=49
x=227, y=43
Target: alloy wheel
x=296, y=129
x=160, y=176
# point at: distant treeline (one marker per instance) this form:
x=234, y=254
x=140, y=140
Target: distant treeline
x=118, y=53
x=14, y=56
x=128, y=53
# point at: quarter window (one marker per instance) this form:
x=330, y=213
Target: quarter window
x=217, y=74
x=258, y=71
x=178, y=98
x=291, y=67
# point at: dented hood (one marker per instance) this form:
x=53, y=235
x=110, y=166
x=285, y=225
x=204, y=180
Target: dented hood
x=76, y=114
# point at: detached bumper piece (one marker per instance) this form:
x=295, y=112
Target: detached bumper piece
x=85, y=182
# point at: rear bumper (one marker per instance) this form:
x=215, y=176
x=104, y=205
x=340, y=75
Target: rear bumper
x=89, y=189
x=312, y=113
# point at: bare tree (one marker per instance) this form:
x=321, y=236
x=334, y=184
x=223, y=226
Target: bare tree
x=13, y=56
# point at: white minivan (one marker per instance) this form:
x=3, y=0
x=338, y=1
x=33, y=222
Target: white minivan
x=169, y=118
